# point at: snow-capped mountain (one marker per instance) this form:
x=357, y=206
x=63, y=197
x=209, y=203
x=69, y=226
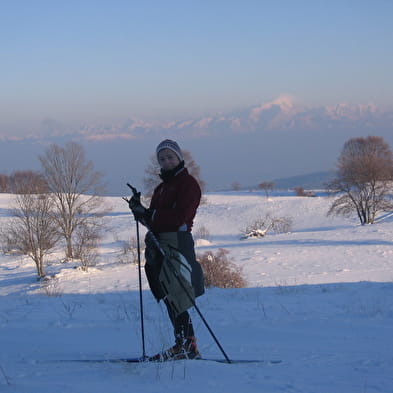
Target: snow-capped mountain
x=281, y=114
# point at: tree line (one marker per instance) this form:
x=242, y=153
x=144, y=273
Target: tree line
x=15, y=183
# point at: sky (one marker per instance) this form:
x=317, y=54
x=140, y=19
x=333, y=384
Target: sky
x=278, y=69
x=86, y=61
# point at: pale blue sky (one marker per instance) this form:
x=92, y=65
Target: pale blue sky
x=91, y=60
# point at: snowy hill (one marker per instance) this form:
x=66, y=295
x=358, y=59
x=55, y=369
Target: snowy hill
x=319, y=298
x=309, y=181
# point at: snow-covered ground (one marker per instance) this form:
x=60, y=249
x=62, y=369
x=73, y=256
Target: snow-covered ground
x=319, y=298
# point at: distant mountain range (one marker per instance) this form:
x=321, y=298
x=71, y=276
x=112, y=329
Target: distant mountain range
x=311, y=181
x=283, y=113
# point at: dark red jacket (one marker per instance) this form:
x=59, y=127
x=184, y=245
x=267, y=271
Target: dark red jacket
x=175, y=203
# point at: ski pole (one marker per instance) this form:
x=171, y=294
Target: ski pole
x=140, y=291
x=140, y=278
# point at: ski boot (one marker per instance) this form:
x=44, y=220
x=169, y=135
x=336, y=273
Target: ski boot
x=183, y=349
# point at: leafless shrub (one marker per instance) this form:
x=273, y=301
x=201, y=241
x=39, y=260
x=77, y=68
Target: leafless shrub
x=129, y=251
x=282, y=225
x=258, y=228
x=51, y=287
x=86, y=238
x=31, y=231
x=261, y=226
x=284, y=288
x=202, y=233
x=9, y=243
x=301, y=192
x=219, y=271
x=266, y=186
x=69, y=309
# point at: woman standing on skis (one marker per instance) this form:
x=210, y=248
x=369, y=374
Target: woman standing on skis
x=170, y=218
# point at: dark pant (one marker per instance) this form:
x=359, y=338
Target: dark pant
x=182, y=323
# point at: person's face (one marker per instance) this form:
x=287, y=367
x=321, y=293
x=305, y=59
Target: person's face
x=168, y=159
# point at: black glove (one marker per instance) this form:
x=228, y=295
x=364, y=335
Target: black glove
x=135, y=201
x=142, y=214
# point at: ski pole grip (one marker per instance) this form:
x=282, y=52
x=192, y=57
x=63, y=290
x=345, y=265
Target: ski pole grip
x=135, y=193
x=133, y=189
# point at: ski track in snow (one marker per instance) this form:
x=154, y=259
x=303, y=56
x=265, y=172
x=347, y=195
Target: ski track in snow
x=319, y=298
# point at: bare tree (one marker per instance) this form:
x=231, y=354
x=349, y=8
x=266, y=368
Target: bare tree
x=151, y=180
x=364, y=179
x=236, y=186
x=266, y=186
x=20, y=181
x=75, y=188
x=32, y=230
x=3, y=183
